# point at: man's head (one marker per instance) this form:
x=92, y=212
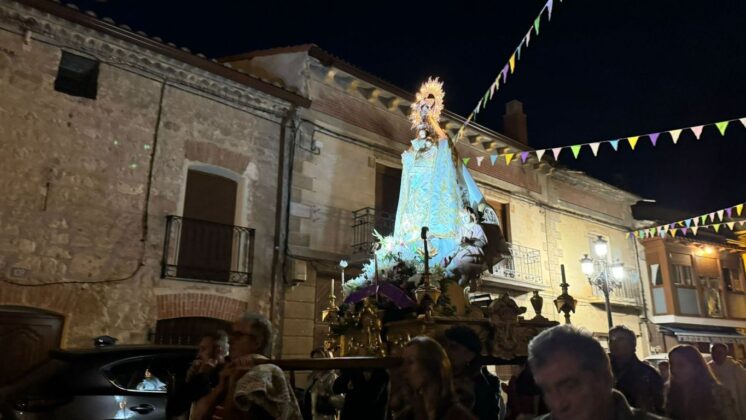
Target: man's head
x=573, y=372
x=251, y=334
x=719, y=353
x=462, y=345
x=213, y=346
x=622, y=343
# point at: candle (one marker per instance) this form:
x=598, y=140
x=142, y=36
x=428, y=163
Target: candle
x=332, y=285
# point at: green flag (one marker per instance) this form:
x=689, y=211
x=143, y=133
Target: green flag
x=576, y=150
x=722, y=126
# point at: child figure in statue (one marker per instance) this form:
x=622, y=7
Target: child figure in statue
x=468, y=262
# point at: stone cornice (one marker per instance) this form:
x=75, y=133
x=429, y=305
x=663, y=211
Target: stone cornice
x=224, y=83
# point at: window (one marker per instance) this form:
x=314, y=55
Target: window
x=681, y=270
x=682, y=275
x=655, y=274
x=142, y=374
x=732, y=280
x=77, y=76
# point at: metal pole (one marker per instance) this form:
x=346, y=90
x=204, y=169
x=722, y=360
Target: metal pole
x=606, y=295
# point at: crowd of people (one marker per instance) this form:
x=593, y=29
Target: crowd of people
x=568, y=375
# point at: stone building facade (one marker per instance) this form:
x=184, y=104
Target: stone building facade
x=347, y=158
x=89, y=176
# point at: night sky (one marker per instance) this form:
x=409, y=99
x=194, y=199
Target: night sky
x=600, y=70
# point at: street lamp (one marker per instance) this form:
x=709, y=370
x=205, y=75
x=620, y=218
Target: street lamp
x=601, y=274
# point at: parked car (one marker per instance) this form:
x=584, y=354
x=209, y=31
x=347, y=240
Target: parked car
x=114, y=382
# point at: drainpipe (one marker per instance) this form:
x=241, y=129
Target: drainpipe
x=644, y=324
x=281, y=220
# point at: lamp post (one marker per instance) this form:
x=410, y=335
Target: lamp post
x=601, y=274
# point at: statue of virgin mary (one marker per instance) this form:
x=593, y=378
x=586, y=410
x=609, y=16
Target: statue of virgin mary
x=438, y=192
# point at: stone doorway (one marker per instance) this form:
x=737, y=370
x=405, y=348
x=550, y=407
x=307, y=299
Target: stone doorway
x=27, y=334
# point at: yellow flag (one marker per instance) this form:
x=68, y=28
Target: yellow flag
x=739, y=208
x=633, y=141
x=508, y=158
x=512, y=63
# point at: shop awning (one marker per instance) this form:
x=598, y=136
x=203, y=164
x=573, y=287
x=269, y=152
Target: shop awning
x=726, y=336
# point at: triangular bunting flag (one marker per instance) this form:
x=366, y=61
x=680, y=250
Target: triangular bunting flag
x=743, y=120
x=537, y=22
x=716, y=226
x=508, y=158
x=594, y=148
x=540, y=153
x=697, y=131
x=518, y=50
x=654, y=138
x=466, y=160
x=492, y=88
x=479, y=160
x=505, y=72
x=576, y=150
x=524, y=156
x=665, y=228
x=511, y=63
x=673, y=232
x=493, y=159
x=712, y=216
x=614, y=144
x=696, y=221
x=720, y=214
x=685, y=230
x=528, y=39
x=722, y=126
x=703, y=219
x=688, y=222
x=627, y=235
x=550, y=3
x=738, y=209
x=675, y=135
x=633, y=141
x=730, y=225
x=556, y=152
x=729, y=211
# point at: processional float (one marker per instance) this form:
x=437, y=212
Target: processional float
x=419, y=278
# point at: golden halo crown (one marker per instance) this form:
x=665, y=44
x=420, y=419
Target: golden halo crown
x=433, y=87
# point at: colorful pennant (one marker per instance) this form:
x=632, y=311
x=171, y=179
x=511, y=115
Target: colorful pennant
x=510, y=66
x=697, y=222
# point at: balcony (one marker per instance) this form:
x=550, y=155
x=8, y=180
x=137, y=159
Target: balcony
x=364, y=221
x=626, y=295
x=520, y=270
x=197, y=250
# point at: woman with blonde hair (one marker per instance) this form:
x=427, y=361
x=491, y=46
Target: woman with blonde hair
x=694, y=393
x=428, y=373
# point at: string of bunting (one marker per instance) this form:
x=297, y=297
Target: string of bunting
x=693, y=224
x=632, y=141
x=509, y=68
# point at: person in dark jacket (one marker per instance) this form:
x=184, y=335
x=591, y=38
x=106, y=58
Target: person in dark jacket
x=477, y=388
x=640, y=383
x=366, y=394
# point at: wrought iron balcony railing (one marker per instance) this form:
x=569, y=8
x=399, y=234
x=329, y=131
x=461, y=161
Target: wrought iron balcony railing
x=627, y=293
x=205, y=251
x=364, y=221
x=522, y=265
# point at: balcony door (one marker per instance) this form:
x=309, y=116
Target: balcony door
x=206, y=244
x=388, y=181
